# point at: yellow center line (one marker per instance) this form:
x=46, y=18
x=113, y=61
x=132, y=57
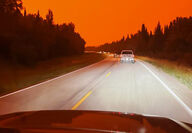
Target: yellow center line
x=108, y=74
x=83, y=99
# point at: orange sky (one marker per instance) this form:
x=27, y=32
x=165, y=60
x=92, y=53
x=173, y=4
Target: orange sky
x=100, y=21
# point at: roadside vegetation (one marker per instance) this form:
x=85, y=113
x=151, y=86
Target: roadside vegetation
x=34, y=49
x=15, y=77
x=182, y=72
x=28, y=38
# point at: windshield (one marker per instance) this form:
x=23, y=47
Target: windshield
x=127, y=52
x=96, y=55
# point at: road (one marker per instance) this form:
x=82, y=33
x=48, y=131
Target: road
x=107, y=86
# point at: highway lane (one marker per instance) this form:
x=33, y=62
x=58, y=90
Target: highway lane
x=108, y=86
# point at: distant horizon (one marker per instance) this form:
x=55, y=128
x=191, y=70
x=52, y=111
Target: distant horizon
x=99, y=22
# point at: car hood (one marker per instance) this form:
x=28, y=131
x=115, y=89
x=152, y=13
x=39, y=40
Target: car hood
x=87, y=121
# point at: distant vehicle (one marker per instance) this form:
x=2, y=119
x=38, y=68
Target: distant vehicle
x=127, y=56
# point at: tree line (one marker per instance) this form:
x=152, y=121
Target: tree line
x=172, y=42
x=28, y=38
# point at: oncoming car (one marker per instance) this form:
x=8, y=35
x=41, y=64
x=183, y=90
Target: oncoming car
x=127, y=56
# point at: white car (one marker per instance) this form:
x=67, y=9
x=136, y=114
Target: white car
x=127, y=56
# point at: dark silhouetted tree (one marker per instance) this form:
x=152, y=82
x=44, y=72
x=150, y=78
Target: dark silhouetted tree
x=157, y=39
x=25, y=13
x=49, y=17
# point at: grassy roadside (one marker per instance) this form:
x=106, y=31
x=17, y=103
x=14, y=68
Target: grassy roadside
x=181, y=72
x=17, y=77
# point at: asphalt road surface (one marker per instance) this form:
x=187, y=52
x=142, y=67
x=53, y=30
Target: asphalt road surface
x=107, y=86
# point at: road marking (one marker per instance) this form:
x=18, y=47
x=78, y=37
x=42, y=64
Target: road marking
x=177, y=98
x=108, y=74
x=81, y=101
x=86, y=67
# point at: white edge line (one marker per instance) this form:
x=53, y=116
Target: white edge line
x=177, y=98
x=51, y=79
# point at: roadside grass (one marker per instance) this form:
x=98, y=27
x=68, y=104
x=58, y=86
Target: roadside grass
x=17, y=77
x=181, y=72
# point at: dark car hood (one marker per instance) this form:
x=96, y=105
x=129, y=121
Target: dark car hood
x=87, y=121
